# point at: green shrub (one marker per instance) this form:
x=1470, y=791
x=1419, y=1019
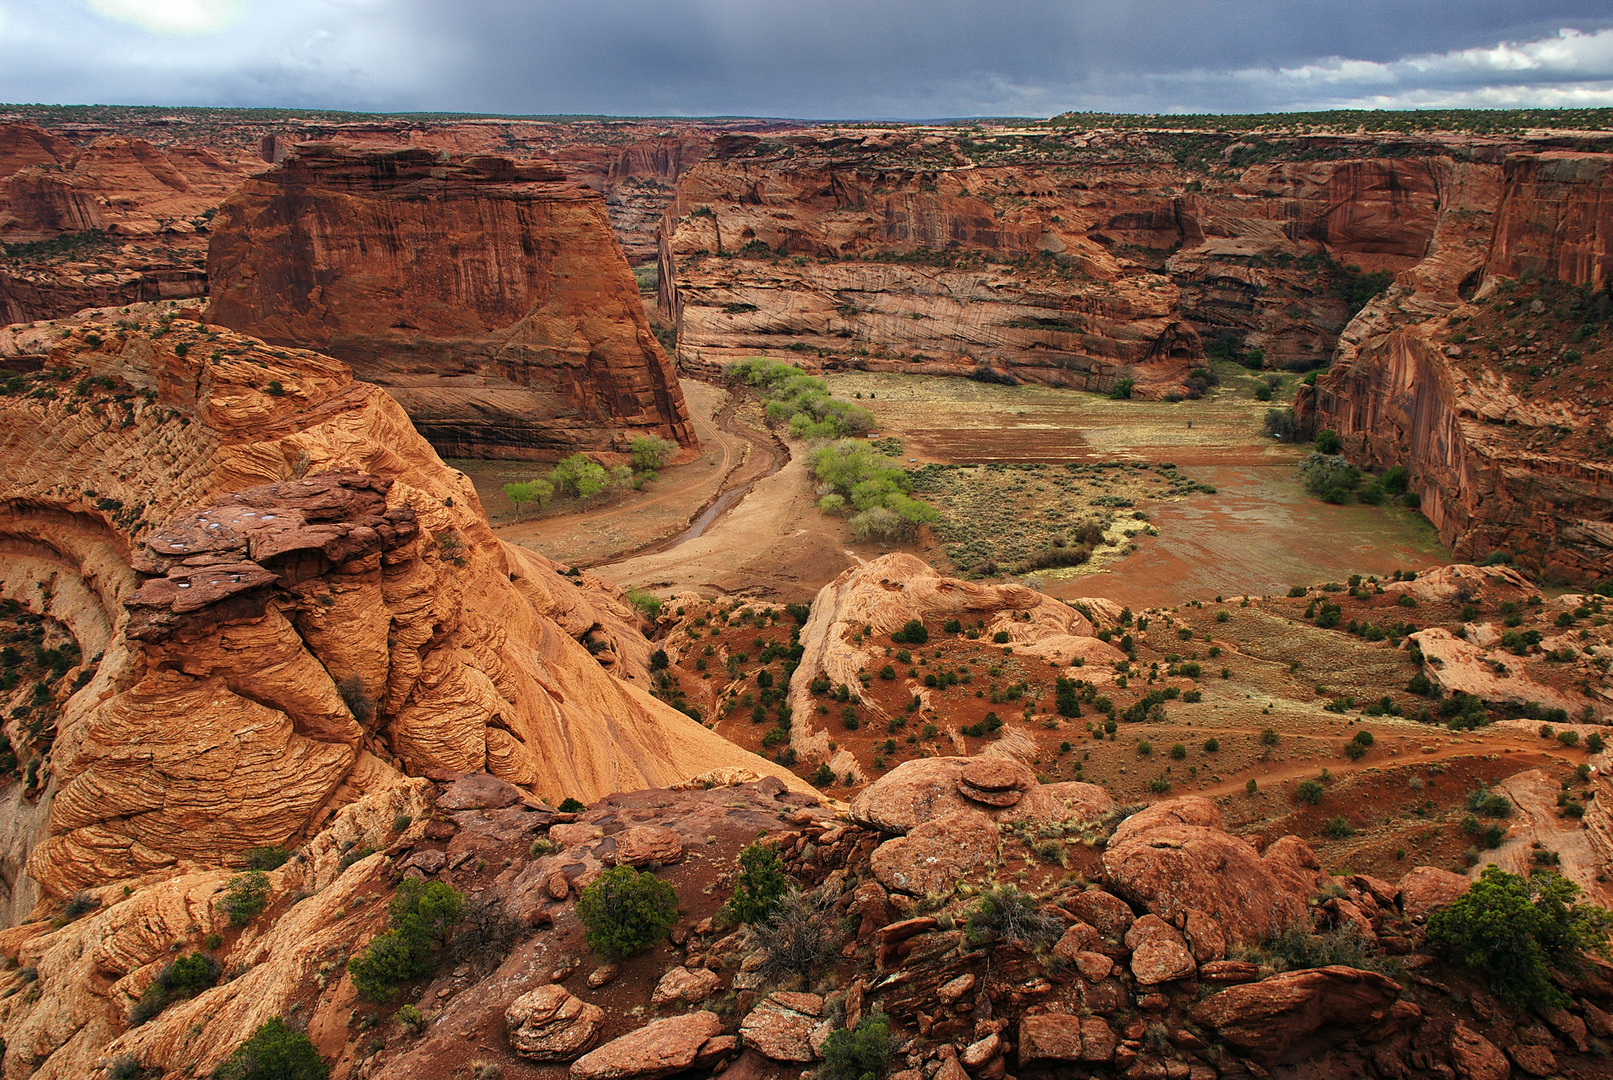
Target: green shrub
x=184, y=978
x=1327, y=441
x=572, y=806
x=647, y=603
x=1489, y=803
x=579, y=476
x=1311, y=791
x=1337, y=828
x=625, y=911
x=521, y=492
x=245, y=897
x=913, y=633
x=1211, y=745
x=651, y=453
x=1568, y=738
x=1517, y=931
x=760, y=886
x=266, y=858
x=422, y=915
x=864, y=1053
x=275, y=1052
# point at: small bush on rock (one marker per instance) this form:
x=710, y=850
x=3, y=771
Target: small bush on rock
x=801, y=938
x=1517, y=931
x=625, y=911
x=861, y=1054
x=422, y=916
x=275, y=1052
x=245, y=897
x=760, y=886
x=1004, y=913
x=184, y=978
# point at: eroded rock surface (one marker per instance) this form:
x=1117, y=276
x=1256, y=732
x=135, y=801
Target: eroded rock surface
x=488, y=295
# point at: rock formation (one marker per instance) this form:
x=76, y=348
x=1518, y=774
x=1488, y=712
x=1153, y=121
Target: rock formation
x=487, y=295
x=884, y=594
x=138, y=212
x=1498, y=423
x=298, y=603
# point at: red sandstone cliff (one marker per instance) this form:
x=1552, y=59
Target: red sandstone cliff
x=488, y=296
x=1496, y=401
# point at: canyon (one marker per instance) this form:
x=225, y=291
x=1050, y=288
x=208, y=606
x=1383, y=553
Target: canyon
x=276, y=697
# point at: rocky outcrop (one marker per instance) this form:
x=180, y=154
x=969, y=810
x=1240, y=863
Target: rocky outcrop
x=1283, y=1018
x=551, y=1024
x=1174, y=858
x=142, y=212
x=300, y=604
x=909, y=269
x=884, y=594
x=660, y=1048
x=1436, y=378
x=486, y=294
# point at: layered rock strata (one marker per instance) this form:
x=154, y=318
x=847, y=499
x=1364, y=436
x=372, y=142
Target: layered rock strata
x=487, y=295
x=299, y=604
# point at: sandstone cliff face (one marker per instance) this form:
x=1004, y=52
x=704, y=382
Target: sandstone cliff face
x=1078, y=266
x=299, y=604
x=1555, y=219
x=488, y=296
x=1461, y=379
x=149, y=203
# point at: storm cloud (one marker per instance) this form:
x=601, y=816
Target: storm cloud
x=818, y=59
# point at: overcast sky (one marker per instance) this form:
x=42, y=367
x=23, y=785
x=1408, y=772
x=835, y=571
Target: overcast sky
x=818, y=59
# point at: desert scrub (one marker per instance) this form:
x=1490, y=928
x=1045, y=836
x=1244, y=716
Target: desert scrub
x=1004, y=913
x=245, y=897
x=421, y=916
x=625, y=911
x=184, y=978
x=864, y=1053
x=801, y=937
x=275, y=1052
x=760, y=885
x=1517, y=932
x=998, y=517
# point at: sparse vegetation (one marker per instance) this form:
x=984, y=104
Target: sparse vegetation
x=626, y=911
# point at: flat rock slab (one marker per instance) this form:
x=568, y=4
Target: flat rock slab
x=1275, y=1020
x=995, y=774
x=657, y=1049
x=781, y=1027
x=645, y=844
x=689, y=985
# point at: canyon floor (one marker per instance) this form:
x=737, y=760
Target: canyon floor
x=739, y=527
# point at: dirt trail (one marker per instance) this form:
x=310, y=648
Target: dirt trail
x=734, y=454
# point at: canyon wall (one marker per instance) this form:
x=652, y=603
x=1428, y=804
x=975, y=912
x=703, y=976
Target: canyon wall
x=488, y=296
x=1078, y=263
x=296, y=604
x=136, y=214
x=1485, y=373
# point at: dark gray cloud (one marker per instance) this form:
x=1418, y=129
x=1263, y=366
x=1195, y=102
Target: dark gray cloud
x=808, y=58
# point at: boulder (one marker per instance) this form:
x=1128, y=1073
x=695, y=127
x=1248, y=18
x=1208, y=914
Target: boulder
x=1075, y=799
x=1228, y=972
x=551, y=1024
x=1159, y=960
x=478, y=791
x=1078, y=937
x=1290, y=1016
x=980, y=1051
x=657, y=1049
x=1204, y=936
x=1426, y=889
x=1174, y=857
x=1534, y=1060
x=1107, y=913
x=953, y=989
x=1475, y=1057
x=686, y=985
x=995, y=774
x=1059, y=1037
x=928, y=788
x=1093, y=966
x=645, y=844
x=781, y=1027
x=935, y=855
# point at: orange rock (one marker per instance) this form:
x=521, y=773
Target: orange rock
x=410, y=262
